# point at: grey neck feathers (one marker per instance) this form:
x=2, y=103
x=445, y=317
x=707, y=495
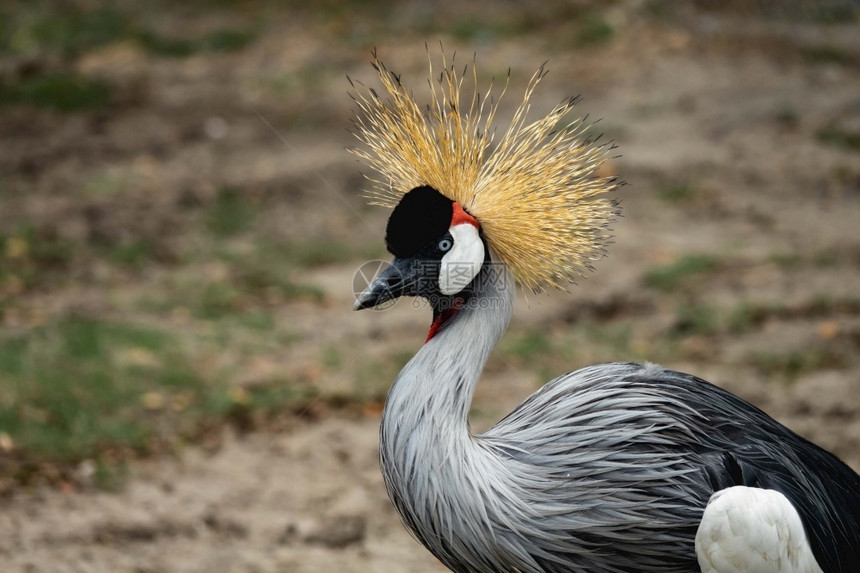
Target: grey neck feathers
x=432, y=394
x=429, y=458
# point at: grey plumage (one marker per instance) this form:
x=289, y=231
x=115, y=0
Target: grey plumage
x=608, y=468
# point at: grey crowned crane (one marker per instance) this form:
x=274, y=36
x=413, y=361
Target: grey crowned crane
x=615, y=467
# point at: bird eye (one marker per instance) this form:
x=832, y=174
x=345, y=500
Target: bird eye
x=445, y=244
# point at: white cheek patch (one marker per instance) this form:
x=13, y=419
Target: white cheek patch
x=463, y=262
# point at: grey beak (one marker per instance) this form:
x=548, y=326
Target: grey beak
x=385, y=287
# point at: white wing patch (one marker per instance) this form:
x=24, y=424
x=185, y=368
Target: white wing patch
x=753, y=530
x=462, y=263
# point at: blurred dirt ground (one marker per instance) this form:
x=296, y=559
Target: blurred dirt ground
x=180, y=228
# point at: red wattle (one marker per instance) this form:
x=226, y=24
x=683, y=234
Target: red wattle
x=443, y=318
x=460, y=216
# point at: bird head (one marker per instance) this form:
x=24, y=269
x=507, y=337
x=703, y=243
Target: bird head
x=532, y=200
x=438, y=252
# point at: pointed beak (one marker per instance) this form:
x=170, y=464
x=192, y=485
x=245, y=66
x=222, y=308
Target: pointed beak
x=387, y=286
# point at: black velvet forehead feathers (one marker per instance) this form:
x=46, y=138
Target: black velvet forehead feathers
x=422, y=215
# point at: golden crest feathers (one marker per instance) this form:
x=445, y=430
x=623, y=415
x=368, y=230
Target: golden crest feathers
x=536, y=193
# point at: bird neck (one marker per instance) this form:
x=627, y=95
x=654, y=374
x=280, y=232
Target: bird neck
x=426, y=447
x=433, y=392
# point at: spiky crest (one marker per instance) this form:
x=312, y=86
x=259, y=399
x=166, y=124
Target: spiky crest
x=536, y=192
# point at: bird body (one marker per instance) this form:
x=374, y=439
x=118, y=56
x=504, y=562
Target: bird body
x=612, y=468
x=608, y=468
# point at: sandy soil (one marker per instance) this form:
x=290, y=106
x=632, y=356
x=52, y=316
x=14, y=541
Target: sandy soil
x=718, y=101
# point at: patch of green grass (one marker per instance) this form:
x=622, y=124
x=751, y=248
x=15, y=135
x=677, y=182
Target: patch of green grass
x=217, y=299
x=40, y=26
x=465, y=29
x=32, y=258
x=231, y=213
x=259, y=320
x=594, y=29
x=73, y=387
x=223, y=40
x=832, y=13
x=677, y=193
x=130, y=253
x=90, y=388
x=481, y=29
x=824, y=54
x=527, y=347
x=269, y=398
x=790, y=365
x=669, y=278
x=372, y=377
x=332, y=358
x=227, y=40
x=659, y=9
x=827, y=12
x=105, y=184
x=825, y=304
x=166, y=46
x=696, y=319
x=244, y=294
x=267, y=278
x=825, y=259
x=747, y=315
x=787, y=116
x=838, y=136
x=36, y=26
x=251, y=277
x=272, y=269
x=787, y=260
x=614, y=339
x=40, y=247
x=110, y=476
x=64, y=92
x=302, y=291
x=306, y=80
x=319, y=253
